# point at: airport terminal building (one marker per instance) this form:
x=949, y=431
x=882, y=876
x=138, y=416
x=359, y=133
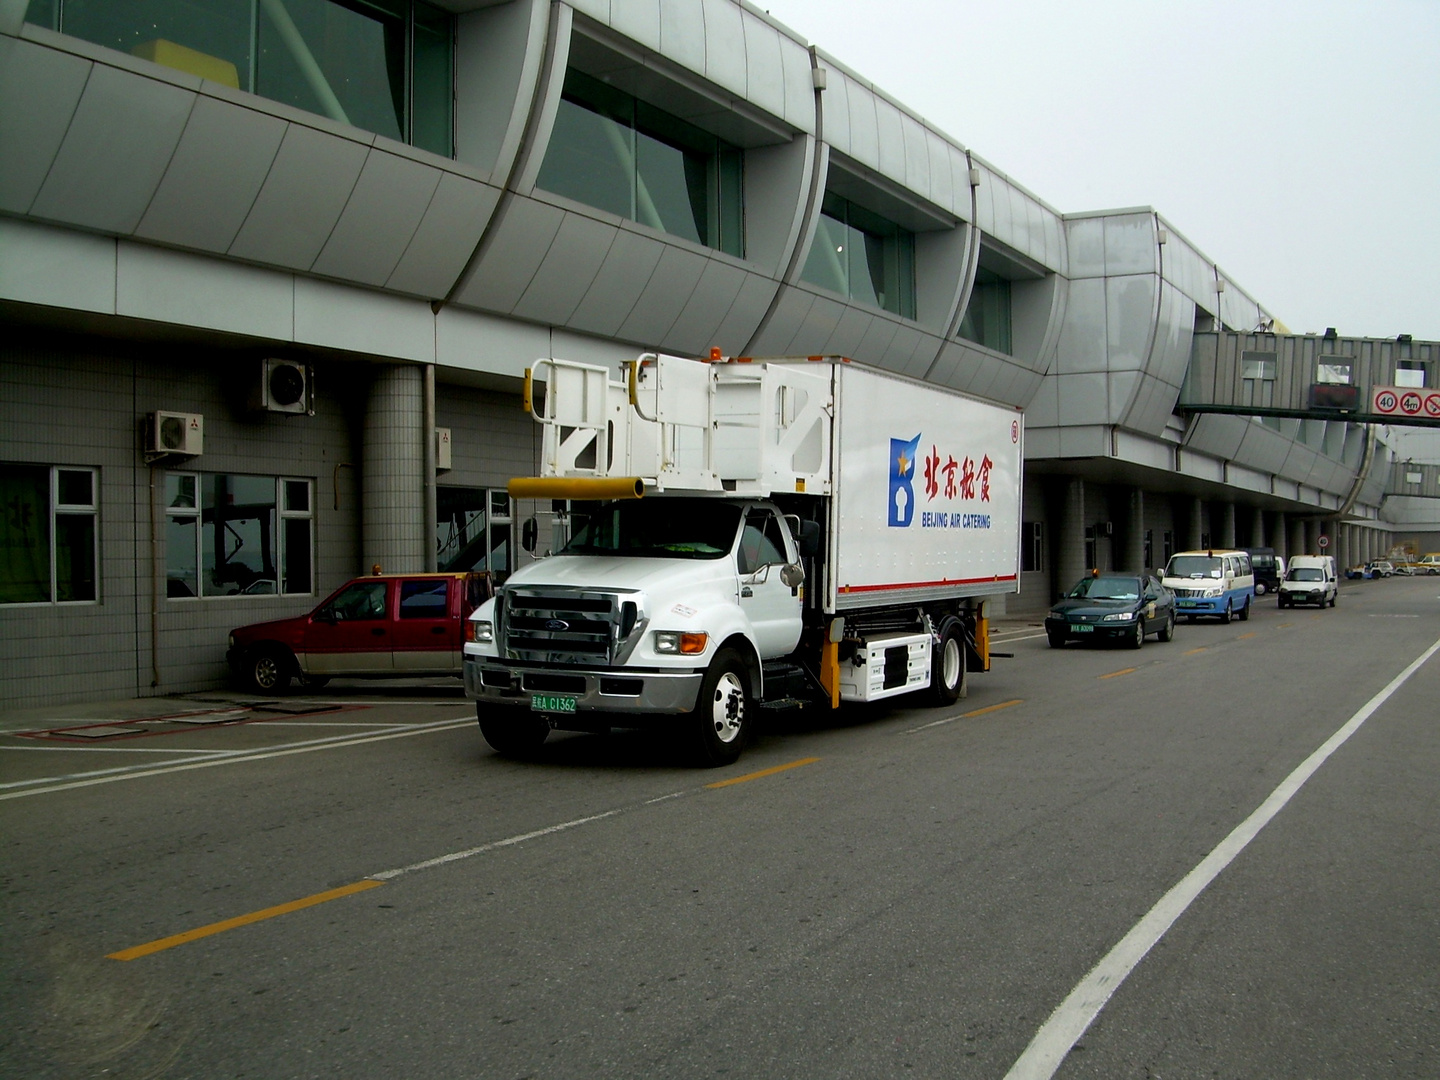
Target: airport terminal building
x=271, y=272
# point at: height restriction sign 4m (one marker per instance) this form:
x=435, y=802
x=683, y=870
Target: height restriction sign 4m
x=1405, y=401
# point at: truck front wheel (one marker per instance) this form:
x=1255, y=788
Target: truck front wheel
x=722, y=711
x=511, y=731
x=948, y=676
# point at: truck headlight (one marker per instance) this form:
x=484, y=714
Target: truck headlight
x=1120, y=616
x=677, y=642
x=1211, y=593
x=480, y=632
x=232, y=641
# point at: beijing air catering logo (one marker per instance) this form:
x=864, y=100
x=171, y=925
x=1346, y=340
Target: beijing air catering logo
x=965, y=480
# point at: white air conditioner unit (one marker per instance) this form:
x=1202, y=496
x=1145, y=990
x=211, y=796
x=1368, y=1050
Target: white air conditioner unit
x=284, y=386
x=176, y=433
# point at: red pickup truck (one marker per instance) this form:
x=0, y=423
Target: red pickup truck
x=388, y=625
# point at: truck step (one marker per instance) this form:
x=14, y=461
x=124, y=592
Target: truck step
x=784, y=703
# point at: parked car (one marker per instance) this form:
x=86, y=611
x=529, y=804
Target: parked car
x=1405, y=569
x=1380, y=568
x=1268, y=568
x=1310, y=580
x=1115, y=606
x=396, y=625
x=1356, y=571
x=1429, y=563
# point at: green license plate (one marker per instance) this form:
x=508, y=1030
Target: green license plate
x=556, y=703
x=1083, y=628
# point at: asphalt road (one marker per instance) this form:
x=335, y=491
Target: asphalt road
x=891, y=892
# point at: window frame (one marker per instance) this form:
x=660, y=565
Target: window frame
x=55, y=509
x=279, y=539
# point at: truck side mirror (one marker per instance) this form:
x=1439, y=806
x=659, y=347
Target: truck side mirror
x=792, y=576
x=809, y=539
x=529, y=535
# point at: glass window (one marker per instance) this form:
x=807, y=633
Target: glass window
x=616, y=153
x=382, y=65
x=362, y=600
x=472, y=530
x=987, y=317
x=1410, y=373
x=424, y=599
x=1032, y=548
x=228, y=535
x=1335, y=372
x=48, y=536
x=863, y=256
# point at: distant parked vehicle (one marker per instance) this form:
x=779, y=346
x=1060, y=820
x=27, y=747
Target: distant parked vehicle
x=1380, y=568
x=1268, y=569
x=1310, y=580
x=1429, y=563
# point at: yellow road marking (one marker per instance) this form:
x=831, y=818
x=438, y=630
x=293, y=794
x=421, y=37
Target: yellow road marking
x=1192, y=652
x=992, y=708
x=242, y=920
x=1117, y=674
x=1283, y=625
x=763, y=772
x=1242, y=637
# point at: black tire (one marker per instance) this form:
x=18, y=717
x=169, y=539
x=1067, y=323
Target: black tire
x=949, y=677
x=511, y=731
x=723, y=711
x=1136, y=639
x=1167, y=632
x=1280, y=603
x=1335, y=597
x=314, y=682
x=268, y=670
x=1244, y=613
x=1057, y=638
x=1227, y=614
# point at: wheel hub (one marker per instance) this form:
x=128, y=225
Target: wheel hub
x=727, y=712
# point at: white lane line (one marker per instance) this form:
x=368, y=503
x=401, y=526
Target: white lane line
x=115, y=750
x=1058, y=1035
x=135, y=772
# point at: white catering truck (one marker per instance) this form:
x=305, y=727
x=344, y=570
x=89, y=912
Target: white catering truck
x=747, y=533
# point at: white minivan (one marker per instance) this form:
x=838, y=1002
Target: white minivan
x=1310, y=579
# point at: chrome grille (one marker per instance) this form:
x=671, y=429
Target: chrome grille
x=558, y=625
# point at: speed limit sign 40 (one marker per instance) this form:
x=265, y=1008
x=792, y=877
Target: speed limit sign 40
x=1324, y=542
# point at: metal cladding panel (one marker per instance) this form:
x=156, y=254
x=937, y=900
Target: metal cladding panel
x=725, y=59
x=1170, y=354
x=911, y=351
x=917, y=159
x=1084, y=336
x=122, y=137
x=992, y=203
x=212, y=181
x=304, y=194
x=380, y=219
x=58, y=268
x=743, y=318
x=891, y=131
x=815, y=334
x=1130, y=315
x=39, y=90
x=927, y=492
x=1299, y=463
x=784, y=324
x=849, y=332
x=568, y=270
x=875, y=346
x=1121, y=388
x=682, y=33
x=764, y=67
x=357, y=320
x=451, y=227
x=835, y=105
x=939, y=156
x=182, y=289
x=864, y=126
x=1188, y=270
x=1084, y=399
x=1218, y=436
x=638, y=20
x=1130, y=246
x=670, y=288
x=1238, y=310
x=1043, y=407
x=515, y=250
x=626, y=271
x=1261, y=447
x=799, y=91
x=696, y=330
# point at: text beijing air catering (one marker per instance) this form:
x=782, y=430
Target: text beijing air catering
x=749, y=533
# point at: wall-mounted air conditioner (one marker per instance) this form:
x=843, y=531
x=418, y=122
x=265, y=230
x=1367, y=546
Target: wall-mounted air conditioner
x=175, y=433
x=283, y=386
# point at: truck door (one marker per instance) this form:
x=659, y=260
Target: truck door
x=771, y=606
x=427, y=633
x=351, y=634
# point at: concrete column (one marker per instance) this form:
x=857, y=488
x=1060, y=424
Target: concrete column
x=1071, y=556
x=1280, y=538
x=1257, y=528
x=1227, y=526
x=1196, y=524
x=1297, y=538
x=1135, y=531
x=1340, y=546
x=392, y=518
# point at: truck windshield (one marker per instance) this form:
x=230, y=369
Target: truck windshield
x=1195, y=566
x=659, y=529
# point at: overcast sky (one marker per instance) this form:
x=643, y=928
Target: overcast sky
x=1297, y=144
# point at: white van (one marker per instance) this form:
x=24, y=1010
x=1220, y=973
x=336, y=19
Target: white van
x=1212, y=582
x=1310, y=579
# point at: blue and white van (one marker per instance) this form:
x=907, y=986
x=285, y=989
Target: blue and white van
x=1219, y=583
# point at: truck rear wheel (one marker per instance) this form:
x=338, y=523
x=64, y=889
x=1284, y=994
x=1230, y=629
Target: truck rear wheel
x=949, y=680
x=722, y=711
x=511, y=731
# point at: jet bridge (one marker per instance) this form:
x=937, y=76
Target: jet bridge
x=1313, y=377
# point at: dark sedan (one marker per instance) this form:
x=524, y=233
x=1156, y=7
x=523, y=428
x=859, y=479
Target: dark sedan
x=1116, y=606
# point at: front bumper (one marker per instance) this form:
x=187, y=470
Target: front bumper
x=607, y=690
x=1089, y=629
x=1198, y=605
